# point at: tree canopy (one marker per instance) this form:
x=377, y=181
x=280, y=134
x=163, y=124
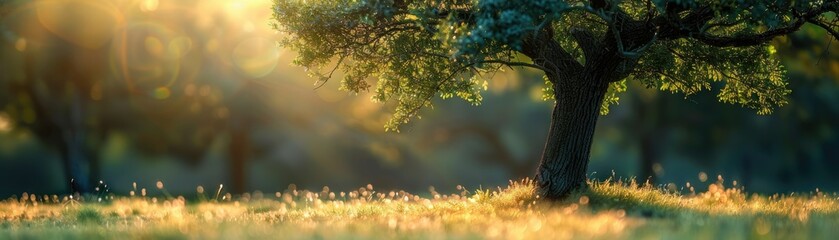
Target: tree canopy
x=411, y=51
x=587, y=50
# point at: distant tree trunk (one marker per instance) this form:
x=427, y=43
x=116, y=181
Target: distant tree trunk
x=568, y=147
x=75, y=159
x=239, y=153
x=498, y=154
x=646, y=111
x=95, y=167
x=746, y=167
x=649, y=157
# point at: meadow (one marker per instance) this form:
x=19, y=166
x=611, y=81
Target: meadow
x=607, y=209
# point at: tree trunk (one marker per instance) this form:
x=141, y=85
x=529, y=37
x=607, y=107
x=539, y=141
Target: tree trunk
x=77, y=157
x=568, y=147
x=239, y=153
x=649, y=157
x=647, y=114
x=75, y=160
x=746, y=166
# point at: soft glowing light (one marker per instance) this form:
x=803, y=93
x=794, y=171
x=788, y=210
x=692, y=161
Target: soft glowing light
x=154, y=46
x=256, y=57
x=94, y=23
x=211, y=46
x=5, y=123
x=330, y=95
x=237, y=5
x=162, y=93
x=20, y=44
x=179, y=47
x=152, y=54
x=189, y=90
x=658, y=169
x=149, y=5
x=248, y=27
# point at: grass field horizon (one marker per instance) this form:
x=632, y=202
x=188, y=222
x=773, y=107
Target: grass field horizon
x=607, y=209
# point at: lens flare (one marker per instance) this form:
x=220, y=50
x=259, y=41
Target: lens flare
x=179, y=47
x=149, y=55
x=154, y=46
x=256, y=57
x=162, y=93
x=89, y=24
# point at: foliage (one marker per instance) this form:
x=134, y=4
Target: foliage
x=607, y=210
x=371, y=41
x=751, y=149
x=418, y=49
x=688, y=67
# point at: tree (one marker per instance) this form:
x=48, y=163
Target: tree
x=72, y=89
x=587, y=50
x=655, y=122
x=750, y=146
x=52, y=82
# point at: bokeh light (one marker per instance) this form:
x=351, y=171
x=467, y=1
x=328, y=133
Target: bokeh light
x=149, y=5
x=20, y=44
x=215, y=64
x=256, y=57
x=5, y=122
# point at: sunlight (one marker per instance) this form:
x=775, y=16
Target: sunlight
x=245, y=96
x=94, y=22
x=153, y=43
x=149, y=5
x=256, y=57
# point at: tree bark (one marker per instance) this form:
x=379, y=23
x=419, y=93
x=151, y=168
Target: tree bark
x=562, y=169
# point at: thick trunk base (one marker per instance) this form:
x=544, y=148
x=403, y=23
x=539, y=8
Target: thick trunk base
x=562, y=169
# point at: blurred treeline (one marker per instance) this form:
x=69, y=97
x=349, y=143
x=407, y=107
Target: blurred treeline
x=196, y=92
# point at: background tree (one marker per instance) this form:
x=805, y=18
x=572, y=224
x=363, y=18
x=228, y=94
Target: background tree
x=52, y=81
x=749, y=146
x=587, y=49
x=171, y=85
x=73, y=90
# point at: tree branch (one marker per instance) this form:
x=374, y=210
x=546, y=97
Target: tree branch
x=324, y=79
x=549, y=54
x=519, y=64
x=695, y=25
x=748, y=40
x=587, y=41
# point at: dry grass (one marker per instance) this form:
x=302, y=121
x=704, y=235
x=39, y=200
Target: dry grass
x=607, y=210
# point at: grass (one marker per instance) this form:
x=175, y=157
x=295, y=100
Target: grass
x=610, y=209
